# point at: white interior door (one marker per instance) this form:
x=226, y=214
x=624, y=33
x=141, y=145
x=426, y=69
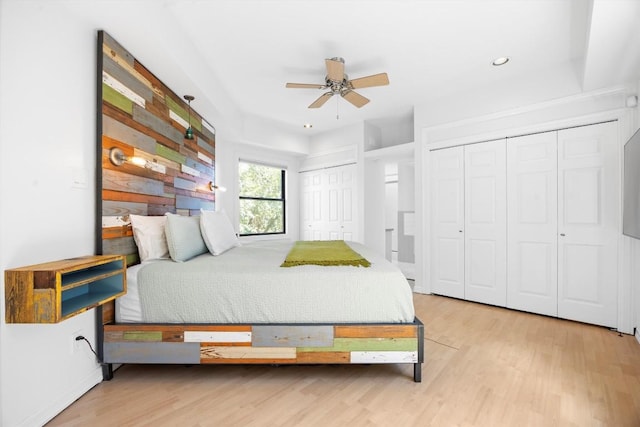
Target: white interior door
x=328, y=204
x=532, y=208
x=485, y=230
x=589, y=212
x=447, y=222
x=312, y=224
x=341, y=205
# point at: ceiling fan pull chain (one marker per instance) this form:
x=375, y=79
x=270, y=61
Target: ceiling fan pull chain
x=337, y=108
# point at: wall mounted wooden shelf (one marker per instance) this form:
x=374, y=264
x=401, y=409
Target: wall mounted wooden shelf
x=55, y=291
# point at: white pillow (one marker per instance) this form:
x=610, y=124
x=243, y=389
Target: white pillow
x=183, y=237
x=148, y=233
x=217, y=231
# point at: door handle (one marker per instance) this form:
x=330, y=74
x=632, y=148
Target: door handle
x=562, y=234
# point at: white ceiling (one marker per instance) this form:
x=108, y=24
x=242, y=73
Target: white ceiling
x=239, y=54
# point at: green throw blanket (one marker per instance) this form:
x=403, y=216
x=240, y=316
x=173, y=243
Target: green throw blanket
x=323, y=252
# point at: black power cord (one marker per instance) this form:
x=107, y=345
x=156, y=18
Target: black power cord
x=81, y=338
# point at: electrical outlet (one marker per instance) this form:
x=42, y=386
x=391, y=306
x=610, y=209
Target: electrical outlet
x=76, y=345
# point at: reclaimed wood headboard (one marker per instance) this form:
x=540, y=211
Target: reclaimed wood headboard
x=140, y=115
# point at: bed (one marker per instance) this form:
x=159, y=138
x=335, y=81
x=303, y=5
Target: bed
x=252, y=310
x=148, y=168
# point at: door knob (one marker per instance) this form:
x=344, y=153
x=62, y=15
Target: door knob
x=562, y=234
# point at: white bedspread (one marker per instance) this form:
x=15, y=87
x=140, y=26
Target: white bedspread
x=247, y=285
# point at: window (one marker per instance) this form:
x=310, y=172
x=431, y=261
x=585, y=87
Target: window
x=262, y=200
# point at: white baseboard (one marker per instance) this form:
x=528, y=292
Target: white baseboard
x=638, y=335
x=420, y=290
x=63, y=401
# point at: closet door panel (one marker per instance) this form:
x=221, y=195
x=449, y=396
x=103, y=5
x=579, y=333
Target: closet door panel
x=312, y=224
x=329, y=204
x=485, y=223
x=532, y=223
x=447, y=222
x=589, y=210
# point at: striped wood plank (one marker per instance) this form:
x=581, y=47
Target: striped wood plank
x=115, y=70
x=127, y=119
x=157, y=124
x=384, y=357
x=116, y=232
x=235, y=353
x=119, y=131
x=293, y=336
x=324, y=357
x=113, y=49
x=116, y=99
x=120, y=181
x=218, y=336
x=120, y=245
x=138, y=198
x=367, y=344
x=111, y=208
x=183, y=113
x=388, y=331
x=151, y=352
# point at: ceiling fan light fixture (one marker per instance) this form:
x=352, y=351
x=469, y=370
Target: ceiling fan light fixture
x=500, y=61
x=307, y=125
x=337, y=82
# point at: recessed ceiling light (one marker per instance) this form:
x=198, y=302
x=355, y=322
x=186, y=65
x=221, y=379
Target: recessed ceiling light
x=307, y=125
x=500, y=61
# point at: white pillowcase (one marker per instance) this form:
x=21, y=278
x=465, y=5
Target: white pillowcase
x=148, y=233
x=217, y=231
x=183, y=237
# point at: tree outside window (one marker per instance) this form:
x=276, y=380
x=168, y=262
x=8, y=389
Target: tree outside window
x=262, y=202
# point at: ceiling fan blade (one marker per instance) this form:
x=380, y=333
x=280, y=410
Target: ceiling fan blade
x=305, y=86
x=320, y=101
x=375, y=80
x=335, y=69
x=354, y=98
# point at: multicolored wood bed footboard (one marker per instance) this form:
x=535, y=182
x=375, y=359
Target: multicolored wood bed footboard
x=264, y=344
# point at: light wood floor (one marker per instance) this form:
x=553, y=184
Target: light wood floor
x=485, y=366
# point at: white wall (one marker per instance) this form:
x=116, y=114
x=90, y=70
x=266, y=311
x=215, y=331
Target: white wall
x=635, y=251
x=229, y=154
x=47, y=137
x=47, y=141
x=374, y=211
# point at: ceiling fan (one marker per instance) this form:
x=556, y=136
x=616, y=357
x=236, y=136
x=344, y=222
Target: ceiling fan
x=338, y=83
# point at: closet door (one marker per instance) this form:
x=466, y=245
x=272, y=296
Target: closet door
x=589, y=212
x=312, y=224
x=532, y=226
x=341, y=203
x=447, y=222
x=485, y=231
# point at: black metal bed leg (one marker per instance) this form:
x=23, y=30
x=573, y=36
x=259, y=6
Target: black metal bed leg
x=417, y=367
x=107, y=368
x=107, y=371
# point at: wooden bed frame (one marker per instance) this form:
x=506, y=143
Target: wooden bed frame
x=278, y=344
x=142, y=117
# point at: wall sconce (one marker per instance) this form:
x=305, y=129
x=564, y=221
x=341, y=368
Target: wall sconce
x=188, y=134
x=212, y=187
x=118, y=158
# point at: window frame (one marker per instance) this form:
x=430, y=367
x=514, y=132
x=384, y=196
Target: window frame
x=281, y=199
